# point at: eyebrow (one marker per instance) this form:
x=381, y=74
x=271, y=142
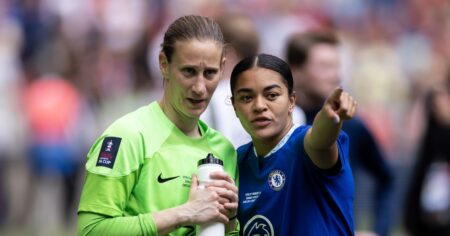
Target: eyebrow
x=197, y=65
x=248, y=90
x=244, y=90
x=271, y=87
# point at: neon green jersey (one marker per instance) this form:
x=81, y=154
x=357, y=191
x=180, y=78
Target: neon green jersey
x=143, y=163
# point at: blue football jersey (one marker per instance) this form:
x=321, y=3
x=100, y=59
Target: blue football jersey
x=284, y=193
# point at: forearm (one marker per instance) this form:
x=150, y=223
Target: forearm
x=96, y=224
x=170, y=219
x=320, y=141
x=324, y=132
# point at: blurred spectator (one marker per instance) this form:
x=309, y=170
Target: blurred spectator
x=380, y=86
x=11, y=117
x=52, y=107
x=314, y=59
x=427, y=209
x=242, y=38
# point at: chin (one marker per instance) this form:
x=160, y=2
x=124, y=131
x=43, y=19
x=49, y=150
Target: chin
x=196, y=113
x=263, y=134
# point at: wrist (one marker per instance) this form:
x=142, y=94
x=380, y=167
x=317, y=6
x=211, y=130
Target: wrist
x=182, y=215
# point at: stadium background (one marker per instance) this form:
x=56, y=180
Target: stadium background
x=104, y=54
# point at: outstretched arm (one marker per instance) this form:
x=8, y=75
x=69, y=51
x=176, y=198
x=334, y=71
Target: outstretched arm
x=320, y=141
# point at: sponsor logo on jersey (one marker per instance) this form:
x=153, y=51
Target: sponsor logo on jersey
x=276, y=180
x=108, y=152
x=187, y=181
x=258, y=225
x=163, y=180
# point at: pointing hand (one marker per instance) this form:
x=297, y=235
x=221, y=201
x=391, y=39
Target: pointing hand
x=340, y=106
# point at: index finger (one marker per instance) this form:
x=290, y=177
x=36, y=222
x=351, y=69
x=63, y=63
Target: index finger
x=336, y=93
x=217, y=176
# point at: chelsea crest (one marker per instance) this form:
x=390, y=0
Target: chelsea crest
x=276, y=180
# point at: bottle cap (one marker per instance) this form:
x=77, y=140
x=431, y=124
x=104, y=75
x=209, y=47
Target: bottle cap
x=210, y=159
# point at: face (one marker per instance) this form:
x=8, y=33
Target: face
x=191, y=77
x=320, y=75
x=262, y=104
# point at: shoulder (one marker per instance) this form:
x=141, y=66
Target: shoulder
x=134, y=120
x=123, y=146
x=217, y=139
x=244, y=151
x=299, y=134
x=222, y=148
x=133, y=125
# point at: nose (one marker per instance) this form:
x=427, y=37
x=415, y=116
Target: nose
x=199, y=86
x=259, y=104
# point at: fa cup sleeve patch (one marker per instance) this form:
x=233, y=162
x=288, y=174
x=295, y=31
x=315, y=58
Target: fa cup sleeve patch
x=108, y=153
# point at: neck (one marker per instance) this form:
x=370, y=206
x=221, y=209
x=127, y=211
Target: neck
x=189, y=126
x=264, y=146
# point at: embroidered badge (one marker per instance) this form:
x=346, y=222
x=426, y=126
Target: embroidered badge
x=108, y=153
x=276, y=180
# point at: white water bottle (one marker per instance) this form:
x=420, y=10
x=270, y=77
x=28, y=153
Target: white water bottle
x=205, y=167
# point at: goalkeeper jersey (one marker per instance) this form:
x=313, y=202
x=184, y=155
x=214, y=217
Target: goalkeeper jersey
x=143, y=163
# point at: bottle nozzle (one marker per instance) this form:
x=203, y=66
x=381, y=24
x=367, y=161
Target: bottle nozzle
x=210, y=159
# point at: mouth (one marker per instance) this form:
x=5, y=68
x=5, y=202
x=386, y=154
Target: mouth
x=197, y=102
x=261, y=122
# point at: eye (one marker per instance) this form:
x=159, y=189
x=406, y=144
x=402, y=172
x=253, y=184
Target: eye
x=210, y=73
x=188, y=71
x=245, y=98
x=272, y=96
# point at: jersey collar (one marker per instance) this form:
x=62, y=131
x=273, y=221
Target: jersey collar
x=281, y=143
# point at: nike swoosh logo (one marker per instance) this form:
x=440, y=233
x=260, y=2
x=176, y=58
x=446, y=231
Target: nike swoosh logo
x=163, y=180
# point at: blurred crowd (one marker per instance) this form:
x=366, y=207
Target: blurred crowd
x=69, y=68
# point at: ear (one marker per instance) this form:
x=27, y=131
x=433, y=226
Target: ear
x=222, y=63
x=163, y=64
x=292, y=98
